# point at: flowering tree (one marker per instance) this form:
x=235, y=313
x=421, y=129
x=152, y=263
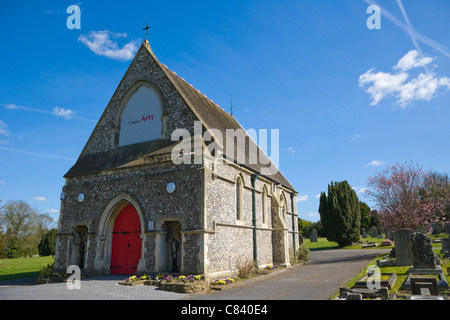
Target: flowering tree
x=405, y=197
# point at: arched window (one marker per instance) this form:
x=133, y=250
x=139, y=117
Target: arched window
x=239, y=188
x=141, y=117
x=283, y=207
x=264, y=206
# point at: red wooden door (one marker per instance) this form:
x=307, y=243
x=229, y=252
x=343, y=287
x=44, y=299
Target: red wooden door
x=126, y=242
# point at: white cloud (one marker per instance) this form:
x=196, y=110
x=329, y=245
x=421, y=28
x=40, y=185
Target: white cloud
x=374, y=163
x=412, y=60
x=359, y=190
x=40, y=198
x=317, y=196
x=59, y=112
x=290, y=150
x=65, y=113
x=384, y=84
x=4, y=128
x=52, y=211
x=302, y=198
x=313, y=214
x=101, y=44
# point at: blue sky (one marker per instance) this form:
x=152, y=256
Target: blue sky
x=348, y=100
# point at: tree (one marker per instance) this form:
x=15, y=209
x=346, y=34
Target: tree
x=365, y=216
x=14, y=249
x=48, y=243
x=340, y=213
x=437, y=191
x=403, y=194
x=22, y=225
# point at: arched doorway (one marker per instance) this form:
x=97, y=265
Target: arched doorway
x=126, y=242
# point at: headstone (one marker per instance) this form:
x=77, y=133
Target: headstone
x=392, y=253
x=422, y=251
x=441, y=227
x=373, y=232
x=445, y=242
x=424, y=286
x=402, y=247
x=433, y=228
x=300, y=239
x=389, y=235
x=447, y=228
x=363, y=234
x=313, y=235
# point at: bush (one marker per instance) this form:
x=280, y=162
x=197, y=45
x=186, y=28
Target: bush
x=46, y=271
x=246, y=268
x=303, y=253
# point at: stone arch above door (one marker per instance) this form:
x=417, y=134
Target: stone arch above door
x=106, y=227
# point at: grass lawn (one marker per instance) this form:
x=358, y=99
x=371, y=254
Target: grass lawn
x=324, y=244
x=22, y=267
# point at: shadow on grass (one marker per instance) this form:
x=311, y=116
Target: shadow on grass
x=330, y=247
x=19, y=278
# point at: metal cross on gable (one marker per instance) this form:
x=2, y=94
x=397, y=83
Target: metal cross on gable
x=146, y=30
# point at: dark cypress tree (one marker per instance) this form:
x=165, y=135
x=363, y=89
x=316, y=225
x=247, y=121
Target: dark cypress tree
x=47, y=245
x=340, y=213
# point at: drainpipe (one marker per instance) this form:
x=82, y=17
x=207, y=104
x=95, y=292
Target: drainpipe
x=255, y=243
x=293, y=220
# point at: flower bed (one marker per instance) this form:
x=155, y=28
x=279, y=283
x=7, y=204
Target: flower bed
x=47, y=276
x=167, y=282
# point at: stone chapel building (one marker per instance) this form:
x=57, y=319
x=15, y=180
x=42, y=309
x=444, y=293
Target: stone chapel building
x=128, y=208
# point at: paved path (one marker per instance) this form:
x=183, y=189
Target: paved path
x=95, y=288
x=318, y=280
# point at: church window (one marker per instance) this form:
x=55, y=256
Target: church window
x=141, y=118
x=264, y=206
x=239, y=191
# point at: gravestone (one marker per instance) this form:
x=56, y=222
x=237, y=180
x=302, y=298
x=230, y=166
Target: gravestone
x=389, y=235
x=363, y=234
x=300, y=239
x=402, y=247
x=445, y=242
x=313, y=235
x=424, y=286
x=422, y=253
x=447, y=228
x=441, y=227
x=373, y=232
